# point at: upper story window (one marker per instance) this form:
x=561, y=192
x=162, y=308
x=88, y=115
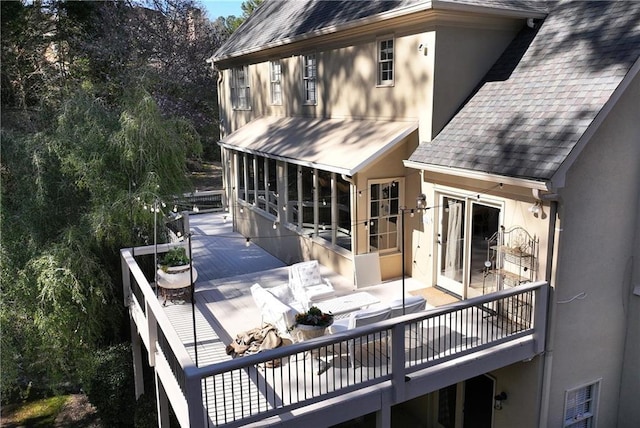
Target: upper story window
x=309, y=78
x=240, y=93
x=385, y=61
x=276, y=82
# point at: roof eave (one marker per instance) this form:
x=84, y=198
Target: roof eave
x=484, y=9
x=406, y=10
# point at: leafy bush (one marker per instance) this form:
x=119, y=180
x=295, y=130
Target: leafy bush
x=109, y=386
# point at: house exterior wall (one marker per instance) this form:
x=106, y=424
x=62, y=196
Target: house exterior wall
x=347, y=88
x=598, y=239
x=461, y=51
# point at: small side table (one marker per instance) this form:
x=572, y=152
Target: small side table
x=176, y=285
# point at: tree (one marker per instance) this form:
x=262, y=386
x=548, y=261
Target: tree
x=231, y=23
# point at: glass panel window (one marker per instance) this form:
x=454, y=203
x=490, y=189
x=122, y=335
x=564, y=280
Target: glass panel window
x=344, y=213
x=262, y=197
x=385, y=61
x=309, y=78
x=251, y=180
x=307, y=198
x=384, y=205
x=276, y=82
x=272, y=187
x=293, y=205
x=580, y=406
x=325, y=223
x=242, y=185
x=240, y=93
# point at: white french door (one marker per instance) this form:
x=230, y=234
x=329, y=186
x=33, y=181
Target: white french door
x=465, y=226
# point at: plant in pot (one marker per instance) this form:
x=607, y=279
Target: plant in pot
x=312, y=323
x=175, y=260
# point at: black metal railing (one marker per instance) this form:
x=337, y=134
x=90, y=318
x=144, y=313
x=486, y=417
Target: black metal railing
x=243, y=390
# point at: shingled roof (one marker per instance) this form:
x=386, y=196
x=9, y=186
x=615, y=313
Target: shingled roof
x=279, y=22
x=543, y=93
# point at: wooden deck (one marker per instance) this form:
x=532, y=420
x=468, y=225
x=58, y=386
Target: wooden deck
x=309, y=376
x=226, y=270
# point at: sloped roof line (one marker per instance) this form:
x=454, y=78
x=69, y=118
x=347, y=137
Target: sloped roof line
x=278, y=28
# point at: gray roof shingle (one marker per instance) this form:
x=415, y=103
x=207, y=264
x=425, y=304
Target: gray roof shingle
x=542, y=94
x=281, y=21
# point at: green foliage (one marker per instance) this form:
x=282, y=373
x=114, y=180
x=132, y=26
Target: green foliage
x=177, y=256
x=109, y=386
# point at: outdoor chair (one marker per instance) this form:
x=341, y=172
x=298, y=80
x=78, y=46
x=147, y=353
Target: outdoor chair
x=358, y=319
x=307, y=285
x=412, y=304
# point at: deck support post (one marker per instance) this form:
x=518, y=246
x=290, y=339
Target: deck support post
x=162, y=403
x=136, y=350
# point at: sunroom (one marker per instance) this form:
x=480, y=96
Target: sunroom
x=325, y=189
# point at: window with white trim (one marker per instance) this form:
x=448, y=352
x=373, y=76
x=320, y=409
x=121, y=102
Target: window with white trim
x=384, y=218
x=276, y=82
x=580, y=406
x=309, y=78
x=385, y=61
x=240, y=89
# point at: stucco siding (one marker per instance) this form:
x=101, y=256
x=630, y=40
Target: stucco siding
x=597, y=243
x=462, y=58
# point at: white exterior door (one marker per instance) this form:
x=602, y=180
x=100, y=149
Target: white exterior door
x=465, y=226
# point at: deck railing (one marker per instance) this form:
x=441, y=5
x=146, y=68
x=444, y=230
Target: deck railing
x=238, y=391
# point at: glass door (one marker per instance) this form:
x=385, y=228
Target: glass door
x=463, y=253
x=451, y=238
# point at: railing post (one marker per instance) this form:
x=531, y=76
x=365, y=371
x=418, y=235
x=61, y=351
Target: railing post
x=540, y=317
x=398, y=361
x=152, y=328
x=193, y=394
x=126, y=279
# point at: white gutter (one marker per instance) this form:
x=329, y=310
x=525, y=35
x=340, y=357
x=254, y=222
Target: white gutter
x=478, y=175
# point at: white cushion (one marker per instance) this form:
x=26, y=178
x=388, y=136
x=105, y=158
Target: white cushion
x=412, y=304
x=282, y=293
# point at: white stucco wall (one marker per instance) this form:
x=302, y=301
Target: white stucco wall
x=599, y=223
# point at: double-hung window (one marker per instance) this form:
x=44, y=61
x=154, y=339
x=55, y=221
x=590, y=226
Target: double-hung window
x=580, y=406
x=309, y=74
x=240, y=93
x=384, y=219
x=276, y=82
x=385, y=61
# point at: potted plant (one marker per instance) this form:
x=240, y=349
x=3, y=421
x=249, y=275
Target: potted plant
x=175, y=260
x=312, y=323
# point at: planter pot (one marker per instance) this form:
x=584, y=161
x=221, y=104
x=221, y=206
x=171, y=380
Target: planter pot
x=175, y=269
x=306, y=332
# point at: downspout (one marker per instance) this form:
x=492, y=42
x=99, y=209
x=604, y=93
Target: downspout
x=547, y=361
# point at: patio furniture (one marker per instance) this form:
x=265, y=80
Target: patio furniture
x=358, y=319
x=345, y=304
x=307, y=284
x=277, y=306
x=412, y=304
